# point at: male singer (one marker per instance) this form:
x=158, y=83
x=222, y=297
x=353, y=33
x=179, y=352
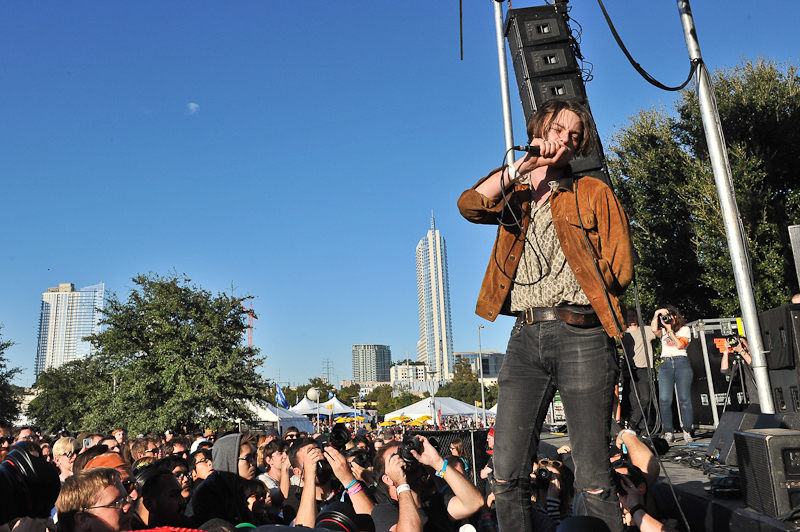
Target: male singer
x=542, y=271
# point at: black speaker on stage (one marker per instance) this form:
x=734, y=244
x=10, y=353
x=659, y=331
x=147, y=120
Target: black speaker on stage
x=769, y=465
x=721, y=445
x=545, y=57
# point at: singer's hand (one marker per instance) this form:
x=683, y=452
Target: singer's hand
x=551, y=153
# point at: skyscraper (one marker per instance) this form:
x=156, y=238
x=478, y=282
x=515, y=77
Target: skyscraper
x=435, y=345
x=66, y=317
x=371, y=362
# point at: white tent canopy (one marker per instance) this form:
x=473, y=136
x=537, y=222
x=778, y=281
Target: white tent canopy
x=431, y=407
x=493, y=410
x=337, y=407
x=281, y=416
x=306, y=406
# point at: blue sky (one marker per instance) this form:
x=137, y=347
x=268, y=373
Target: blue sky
x=292, y=150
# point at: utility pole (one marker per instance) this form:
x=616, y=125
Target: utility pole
x=732, y=221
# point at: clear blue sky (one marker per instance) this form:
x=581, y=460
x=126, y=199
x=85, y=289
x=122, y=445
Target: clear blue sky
x=294, y=150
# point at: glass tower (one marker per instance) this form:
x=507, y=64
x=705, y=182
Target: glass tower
x=66, y=317
x=371, y=362
x=435, y=345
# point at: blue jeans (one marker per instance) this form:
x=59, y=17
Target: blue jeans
x=581, y=364
x=675, y=372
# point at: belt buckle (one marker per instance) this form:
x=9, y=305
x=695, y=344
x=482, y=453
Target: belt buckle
x=528, y=316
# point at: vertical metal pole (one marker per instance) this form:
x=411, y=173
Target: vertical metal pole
x=501, y=60
x=480, y=363
x=794, y=237
x=730, y=212
x=701, y=328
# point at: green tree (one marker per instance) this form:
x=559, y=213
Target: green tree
x=462, y=371
x=66, y=395
x=382, y=395
x=466, y=391
x=10, y=394
x=171, y=356
x=660, y=167
x=347, y=393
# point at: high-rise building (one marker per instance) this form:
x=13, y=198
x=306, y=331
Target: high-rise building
x=66, y=317
x=371, y=362
x=435, y=345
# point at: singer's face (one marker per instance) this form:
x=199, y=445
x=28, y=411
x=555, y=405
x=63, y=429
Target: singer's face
x=567, y=130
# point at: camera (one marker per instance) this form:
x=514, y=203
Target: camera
x=362, y=458
x=667, y=319
x=339, y=437
x=542, y=477
x=732, y=341
x=29, y=486
x=409, y=443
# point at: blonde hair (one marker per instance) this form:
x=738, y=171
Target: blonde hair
x=65, y=445
x=82, y=490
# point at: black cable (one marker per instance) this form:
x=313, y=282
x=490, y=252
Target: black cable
x=516, y=223
x=650, y=79
x=619, y=328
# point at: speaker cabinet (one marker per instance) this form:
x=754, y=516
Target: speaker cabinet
x=532, y=26
x=721, y=445
x=769, y=465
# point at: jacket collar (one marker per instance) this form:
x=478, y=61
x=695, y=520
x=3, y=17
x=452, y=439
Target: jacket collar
x=567, y=179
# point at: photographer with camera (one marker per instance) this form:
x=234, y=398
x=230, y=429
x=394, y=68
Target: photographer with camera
x=326, y=476
x=675, y=371
x=736, y=360
x=407, y=496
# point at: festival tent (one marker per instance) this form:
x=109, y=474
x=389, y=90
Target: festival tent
x=306, y=407
x=431, y=406
x=335, y=406
x=493, y=410
x=282, y=417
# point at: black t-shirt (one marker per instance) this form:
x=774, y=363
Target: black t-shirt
x=292, y=502
x=433, y=514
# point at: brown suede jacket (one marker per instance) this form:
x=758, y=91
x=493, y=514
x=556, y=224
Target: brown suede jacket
x=607, y=229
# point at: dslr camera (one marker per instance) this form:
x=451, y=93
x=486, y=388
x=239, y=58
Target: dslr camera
x=732, y=341
x=29, y=485
x=339, y=437
x=409, y=443
x=667, y=319
x=542, y=477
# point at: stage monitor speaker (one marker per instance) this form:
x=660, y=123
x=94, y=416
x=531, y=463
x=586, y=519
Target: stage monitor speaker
x=721, y=445
x=785, y=390
x=780, y=334
x=769, y=466
x=778, y=421
x=532, y=26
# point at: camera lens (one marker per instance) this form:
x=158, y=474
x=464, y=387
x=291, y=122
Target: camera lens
x=410, y=443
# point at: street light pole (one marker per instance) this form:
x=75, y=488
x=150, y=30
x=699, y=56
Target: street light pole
x=480, y=364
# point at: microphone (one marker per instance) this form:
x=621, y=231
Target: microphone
x=533, y=150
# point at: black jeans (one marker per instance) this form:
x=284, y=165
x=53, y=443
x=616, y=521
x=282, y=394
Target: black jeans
x=581, y=364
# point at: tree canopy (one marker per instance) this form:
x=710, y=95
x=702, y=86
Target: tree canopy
x=171, y=355
x=660, y=167
x=10, y=394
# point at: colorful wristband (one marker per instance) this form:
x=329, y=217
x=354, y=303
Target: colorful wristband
x=351, y=484
x=441, y=473
x=355, y=489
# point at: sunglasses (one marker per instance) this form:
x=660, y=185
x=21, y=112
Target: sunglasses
x=129, y=485
x=553, y=463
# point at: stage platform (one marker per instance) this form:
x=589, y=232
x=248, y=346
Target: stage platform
x=690, y=474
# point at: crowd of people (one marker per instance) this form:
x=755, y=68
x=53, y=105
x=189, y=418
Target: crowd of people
x=380, y=481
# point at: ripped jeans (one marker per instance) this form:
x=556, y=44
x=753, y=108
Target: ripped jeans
x=581, y=364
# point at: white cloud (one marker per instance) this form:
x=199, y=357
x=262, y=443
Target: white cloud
x=193, y=107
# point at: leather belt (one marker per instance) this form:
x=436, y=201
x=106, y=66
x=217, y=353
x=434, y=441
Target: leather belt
x=533, y=315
